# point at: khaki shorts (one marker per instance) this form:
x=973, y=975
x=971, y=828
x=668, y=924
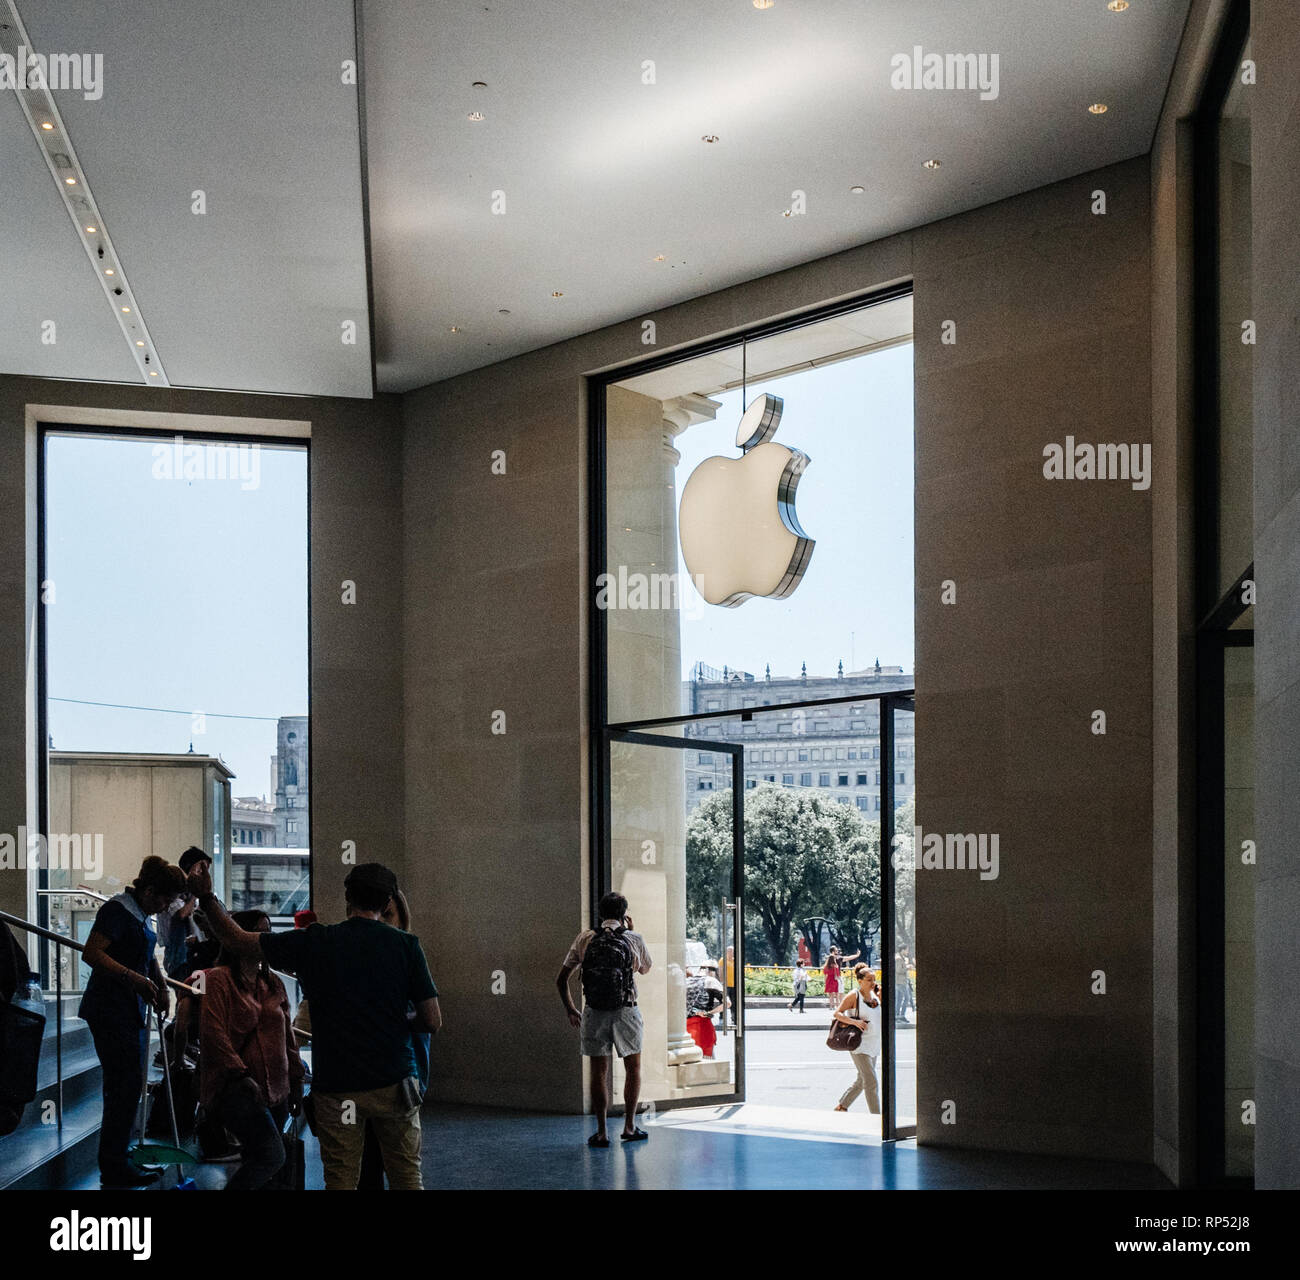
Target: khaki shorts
x=604, y=1030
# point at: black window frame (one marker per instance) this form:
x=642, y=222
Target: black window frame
x=1216, y=613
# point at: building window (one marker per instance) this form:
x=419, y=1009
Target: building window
x=842, y=800
x=805, y=779
x=902, y=776
x=853, y=753
x=787, y=779
x=769, y=777
x=864, y=802
x=750, y=783
x=816, y=753
x=704, y=757
x=781, y=728
x=844, y=779
x=803, y=757
x=291, y=827
x=862, y=779
x=823, y=779
x=840, y=753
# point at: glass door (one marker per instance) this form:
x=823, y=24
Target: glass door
x=898, y=916
x=676, y=853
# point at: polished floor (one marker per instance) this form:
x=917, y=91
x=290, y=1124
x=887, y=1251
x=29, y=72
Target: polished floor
x=745, y=1147
x=742, y=1148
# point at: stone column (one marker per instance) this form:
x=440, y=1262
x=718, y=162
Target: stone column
x=679, y=414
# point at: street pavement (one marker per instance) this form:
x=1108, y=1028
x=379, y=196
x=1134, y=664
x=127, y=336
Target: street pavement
x=787, y=1063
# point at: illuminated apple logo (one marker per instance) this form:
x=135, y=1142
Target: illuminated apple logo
x=740, y=536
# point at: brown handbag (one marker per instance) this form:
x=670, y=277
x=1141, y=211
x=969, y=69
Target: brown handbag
x=844, y=1037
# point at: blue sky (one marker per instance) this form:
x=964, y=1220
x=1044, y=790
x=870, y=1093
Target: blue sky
x=181, y=594
x=855, y=603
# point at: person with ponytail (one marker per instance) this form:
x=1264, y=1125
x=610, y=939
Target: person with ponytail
x=125, y=985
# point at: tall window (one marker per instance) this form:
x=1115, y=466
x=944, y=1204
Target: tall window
x=728, y=617
x=175, y=662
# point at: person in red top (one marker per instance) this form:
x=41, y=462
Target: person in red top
x=834, y=963
x=250, y=1074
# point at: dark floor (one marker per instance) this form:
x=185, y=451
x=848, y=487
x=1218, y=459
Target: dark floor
x=484, y=1149
x=488, y=1149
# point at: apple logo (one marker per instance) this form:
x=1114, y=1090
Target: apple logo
x=739, y=533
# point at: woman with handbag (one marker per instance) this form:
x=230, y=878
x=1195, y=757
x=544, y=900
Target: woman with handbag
x=860, y=1010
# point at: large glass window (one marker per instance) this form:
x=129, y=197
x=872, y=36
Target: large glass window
x=175, y=662
x=726, y=591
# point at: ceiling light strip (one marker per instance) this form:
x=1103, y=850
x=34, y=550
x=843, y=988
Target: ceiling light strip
x=60, y=156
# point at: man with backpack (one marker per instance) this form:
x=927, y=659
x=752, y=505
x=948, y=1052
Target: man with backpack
x=609, y=956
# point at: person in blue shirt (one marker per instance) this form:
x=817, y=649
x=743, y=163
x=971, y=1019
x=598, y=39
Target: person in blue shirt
x=125, y=985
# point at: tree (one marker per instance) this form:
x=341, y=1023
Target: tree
x=853, y=898
x=791, y=854
x=905, y=876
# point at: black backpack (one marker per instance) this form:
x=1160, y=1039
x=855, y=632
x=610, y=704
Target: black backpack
x=607, y=969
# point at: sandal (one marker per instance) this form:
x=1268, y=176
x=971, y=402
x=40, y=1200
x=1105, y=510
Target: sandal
x=637, y=1135
x=597, y=1141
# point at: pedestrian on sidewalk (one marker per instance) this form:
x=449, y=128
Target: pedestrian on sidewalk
x=800, y=986
x=861, y=1009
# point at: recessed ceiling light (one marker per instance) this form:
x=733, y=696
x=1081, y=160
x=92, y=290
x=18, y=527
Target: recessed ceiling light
x=933, y=164
x=856, y=191
x=476, y=116
x=1117, y=6
x=153, y=373
x=709, y=137
x=139, y=343
x=455, y=328
x=126, y=311
x=91, y=230
x=72, y=182
x=1098, y=108
x=558, y=293
x=659, y=257
x=108, y=271
x=45, y=124
x=764, y=4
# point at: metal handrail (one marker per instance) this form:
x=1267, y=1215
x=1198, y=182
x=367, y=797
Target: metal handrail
x=59, y=939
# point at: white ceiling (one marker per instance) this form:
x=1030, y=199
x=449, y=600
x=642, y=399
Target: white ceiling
x=243, y=101
x=601, y=172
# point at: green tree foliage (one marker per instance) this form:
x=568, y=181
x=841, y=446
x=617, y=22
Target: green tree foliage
x=804, y=857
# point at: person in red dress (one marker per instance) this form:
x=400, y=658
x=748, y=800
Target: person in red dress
x=834, y=964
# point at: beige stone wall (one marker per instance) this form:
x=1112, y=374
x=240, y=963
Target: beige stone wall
x=1052, y=621
x=1276, y=42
